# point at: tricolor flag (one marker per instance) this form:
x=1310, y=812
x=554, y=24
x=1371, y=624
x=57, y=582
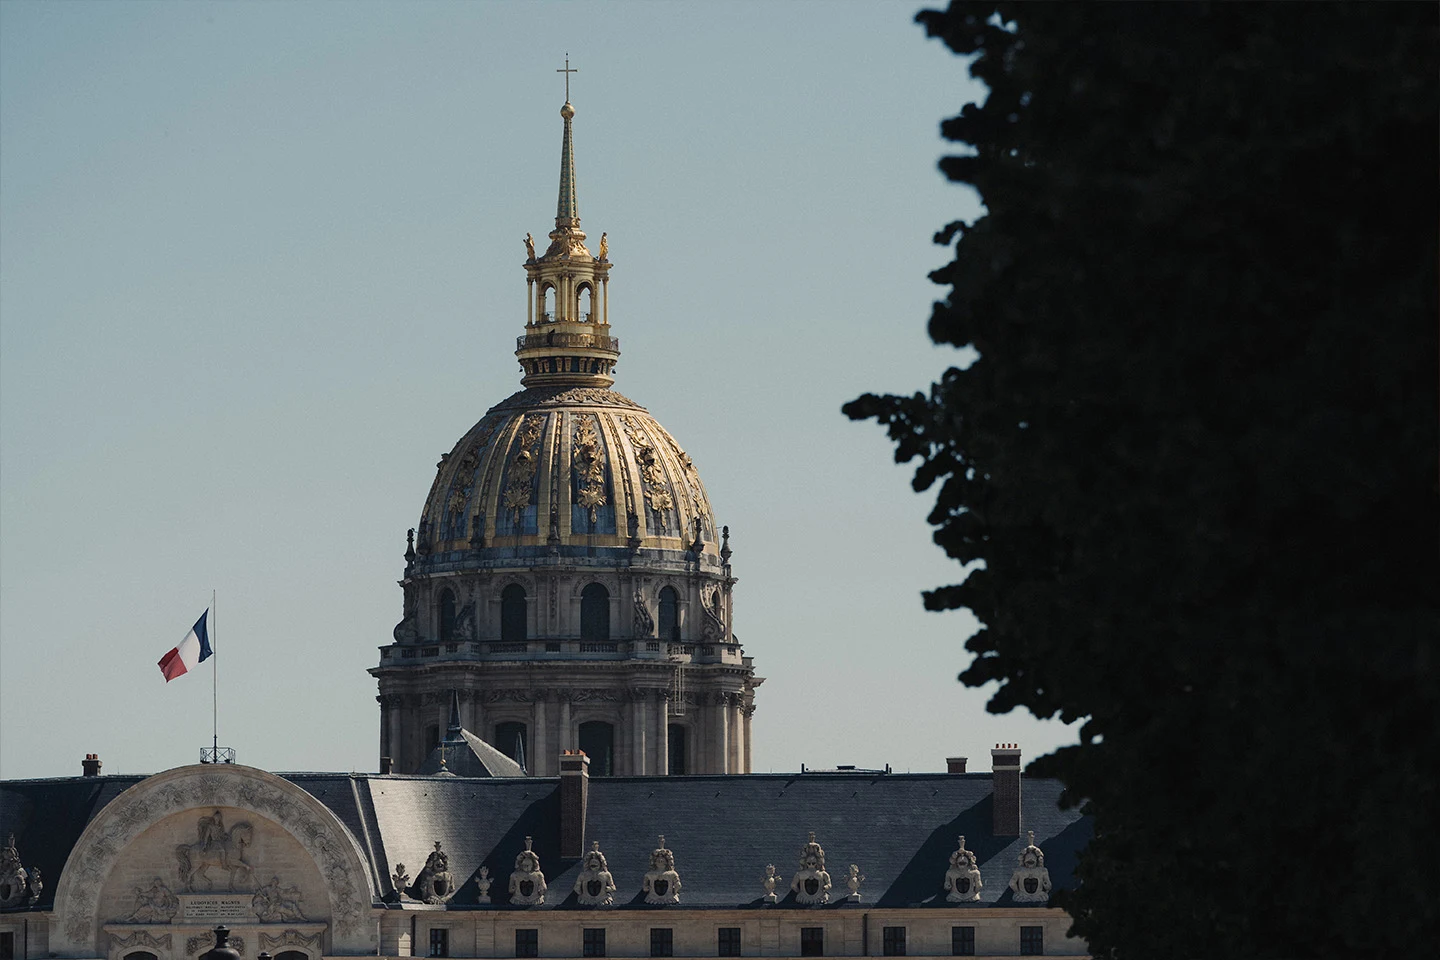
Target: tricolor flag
x=191, y=651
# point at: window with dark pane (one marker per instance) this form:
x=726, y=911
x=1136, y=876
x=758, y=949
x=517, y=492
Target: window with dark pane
x=727, y=942
x=527, y=943
x=675, y=740
x=893, y=941
x=594, y=613
x=662, y=942
x=669, y=614
x=513, y=616
x=510, y=740
x=597, y=739
x=962, y=941
x=432, y=737
x=447, y=614
x=1032, y=941
x=812, y=941
x=440, y=943
x=7, y=945
x=592, y=942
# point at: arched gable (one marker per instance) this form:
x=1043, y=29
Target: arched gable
x=76, y=927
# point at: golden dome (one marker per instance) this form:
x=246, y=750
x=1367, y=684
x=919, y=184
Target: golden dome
x=565, y=470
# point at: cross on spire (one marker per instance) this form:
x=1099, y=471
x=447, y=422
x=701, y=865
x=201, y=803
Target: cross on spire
x=567, y=71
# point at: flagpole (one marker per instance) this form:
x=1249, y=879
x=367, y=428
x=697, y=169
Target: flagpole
x=214, y=681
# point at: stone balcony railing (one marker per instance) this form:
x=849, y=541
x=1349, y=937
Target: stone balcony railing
x=632, y=649
x=588, y=341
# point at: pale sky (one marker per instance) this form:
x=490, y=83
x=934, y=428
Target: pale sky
x=261, y=265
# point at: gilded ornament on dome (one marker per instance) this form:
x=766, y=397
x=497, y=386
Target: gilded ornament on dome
x=657, y=494
x=519, y=491
x=589, y=466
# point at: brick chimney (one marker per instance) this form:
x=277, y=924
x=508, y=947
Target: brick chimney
x=90, y=766
x=1005, y=781
x=574, y=796
x=955, y=764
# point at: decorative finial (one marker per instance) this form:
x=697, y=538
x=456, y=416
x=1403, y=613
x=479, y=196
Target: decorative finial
x=528, y=841
x=410, y=545
x=725, y=551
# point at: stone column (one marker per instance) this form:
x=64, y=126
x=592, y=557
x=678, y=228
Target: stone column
x=564, y=732
x=530, y=301
x=662, y=733
x=637, y=733
x=736, y=757
x=539, y=757
x=385, y=727
x=749, y=744
x=721, y=715
x=476, y=723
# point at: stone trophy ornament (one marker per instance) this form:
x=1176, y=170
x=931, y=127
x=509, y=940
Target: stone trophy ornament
x=271, y=904
x=811, y=883
x=482, y=885
x=435, y=884
x=1031, y=881
x=595, y=887
x=14, y=880
x=400, y=881
x=769, y=884
x=662, y=883
x=215, y=847
x=527, y=883
x=852, y=882
x=962, y=880
x=156, y=905
x=36, y=887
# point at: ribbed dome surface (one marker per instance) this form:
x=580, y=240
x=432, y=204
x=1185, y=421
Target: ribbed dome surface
x=557, y=467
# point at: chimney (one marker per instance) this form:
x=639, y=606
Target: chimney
x=1005, y=782
x=90, y=767
x=955, y=764
x=387, y=765
x=574, y=795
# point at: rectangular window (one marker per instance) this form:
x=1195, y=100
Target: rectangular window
x=812, y=941
x=592, y=942
x=7, y=946
x=894, y=941
x=1032, y=941
x=439, y=942
x=527, y=943
x=962, y=941
x=728, y=942
x=662, y=942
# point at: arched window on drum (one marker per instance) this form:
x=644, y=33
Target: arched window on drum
x=447, y=614
x=669, y=614
x=597, y=740
x=594, y=613
x=513, y=613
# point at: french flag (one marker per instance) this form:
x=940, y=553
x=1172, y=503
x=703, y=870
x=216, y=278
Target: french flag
x=194, y=649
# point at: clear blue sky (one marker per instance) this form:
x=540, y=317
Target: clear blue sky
x=260, y=265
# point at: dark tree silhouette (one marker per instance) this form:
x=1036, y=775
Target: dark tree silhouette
x=1197, y=454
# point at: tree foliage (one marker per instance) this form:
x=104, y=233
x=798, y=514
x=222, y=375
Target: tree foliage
x=1197, y=454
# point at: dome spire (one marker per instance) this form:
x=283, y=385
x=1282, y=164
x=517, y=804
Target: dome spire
x=567, y=208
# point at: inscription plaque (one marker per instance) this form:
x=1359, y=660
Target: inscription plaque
x=219, y=907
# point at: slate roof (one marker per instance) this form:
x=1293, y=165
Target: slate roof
x=466, y=755
x=900, y=829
